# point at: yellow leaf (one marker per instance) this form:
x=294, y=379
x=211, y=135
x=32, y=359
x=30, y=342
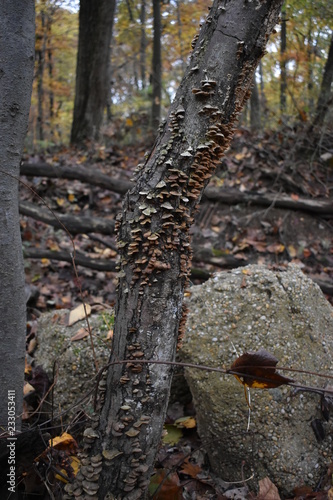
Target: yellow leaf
x=71, y=197
x=60, y=201
x=292, y=251
x=75, y=464
x=129, y=122
x=61, y=442
x=78, y=313
x=187, y=422
x=28, y=368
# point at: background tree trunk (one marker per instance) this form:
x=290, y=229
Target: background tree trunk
x=17, y=49
x=283, y=63
x=255, y=120
x=325, y=89
x=154, y=243
x=143, y=44
x=156, y=66
x=40, y=77
x=92, y=71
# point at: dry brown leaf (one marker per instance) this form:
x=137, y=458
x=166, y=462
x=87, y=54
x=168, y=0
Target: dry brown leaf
x=190, y=469
x=27, y=388
x=80, y=334
x=78, y=313
x=258, y=369
x=268, y=490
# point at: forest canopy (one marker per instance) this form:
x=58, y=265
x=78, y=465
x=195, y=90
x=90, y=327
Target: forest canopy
x=287, y=84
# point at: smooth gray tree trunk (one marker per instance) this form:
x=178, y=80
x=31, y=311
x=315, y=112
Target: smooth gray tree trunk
x=155, y=247
x=17, y=46
x=17, y=29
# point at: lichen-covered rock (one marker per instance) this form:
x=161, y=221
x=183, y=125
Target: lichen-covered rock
x=75, y=361
x=285, y=313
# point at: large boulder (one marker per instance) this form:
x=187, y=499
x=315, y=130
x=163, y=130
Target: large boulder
x=285, y=313
x=72, y=360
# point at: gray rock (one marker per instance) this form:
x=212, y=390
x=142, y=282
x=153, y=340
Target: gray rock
x=286, y=314
x=75, y=360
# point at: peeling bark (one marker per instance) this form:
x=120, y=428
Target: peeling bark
x=155, y=248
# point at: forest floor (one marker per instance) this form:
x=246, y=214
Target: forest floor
x=233, y=232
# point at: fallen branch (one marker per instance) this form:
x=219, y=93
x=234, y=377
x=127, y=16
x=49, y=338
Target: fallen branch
x=234, y=197
x=202, y=254
x=83, y=174
x=74, y=224
x=80, y=260
x=230, y=197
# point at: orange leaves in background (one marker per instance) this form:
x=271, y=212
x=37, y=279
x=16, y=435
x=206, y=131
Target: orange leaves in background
x=258, y=370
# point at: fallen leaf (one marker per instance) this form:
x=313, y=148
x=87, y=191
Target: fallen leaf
x=165, y=485
x=173, y=434
x=292, y=251
x=275, y=248
x=74, y=464
x=257, y=369
x=60, y=201
x=190, y=469
x=268, y=490
x=187, y=422
x=80, y=334
x=78, y=313
x=28, y=368
x=65, y=442
x=27, y=388
x=306, y=253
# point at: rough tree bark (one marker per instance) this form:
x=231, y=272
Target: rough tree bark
x=92, y=71
x=154, y=242
x=17, y=39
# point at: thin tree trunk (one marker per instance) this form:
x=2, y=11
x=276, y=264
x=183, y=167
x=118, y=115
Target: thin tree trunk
x=40, y=79
x=283, y=64
x=309, y=52
x=50, y=71
x=180, y=38
x=17, y=47
x=154, y=242
x=325, y=91
x=255, y=119
x=92, y=72
x=156, y=66
x=143, y=44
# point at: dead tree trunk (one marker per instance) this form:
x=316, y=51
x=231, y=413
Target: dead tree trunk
x=16, y=72
x=155, y=247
